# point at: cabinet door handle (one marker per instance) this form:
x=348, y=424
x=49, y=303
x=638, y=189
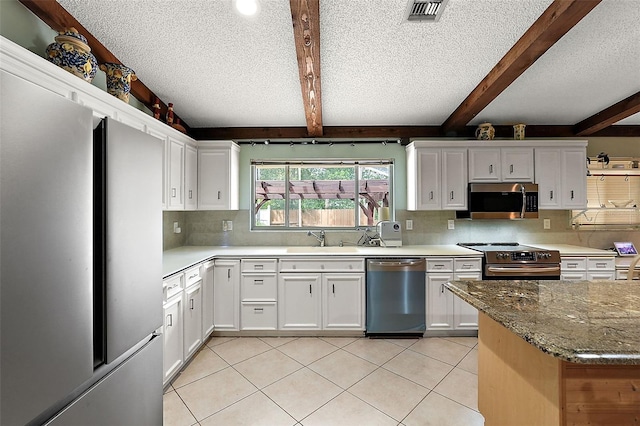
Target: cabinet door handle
x=229, y=273
x=490, y=169
x=258, y=282
x=258, y=310
x=572, y=194
x=572, y=265
x=173, y=192
x=441, y=288
x=190, y=194
x=511, y=169
x=333, y=288
x=218, y=195
x=309, y=288
x=170, y=320
x=452, y=195
x=551, y=195
x=601, y=265
x=259, y=267
x=191, y=304
x=431, y=195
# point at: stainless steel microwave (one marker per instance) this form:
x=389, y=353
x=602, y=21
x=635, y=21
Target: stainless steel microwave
x=501, y=201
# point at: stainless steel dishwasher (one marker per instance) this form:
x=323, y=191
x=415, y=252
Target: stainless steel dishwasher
x=395, y=290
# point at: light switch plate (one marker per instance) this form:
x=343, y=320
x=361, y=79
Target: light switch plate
x=547, y=223
x=451, y=224
x=408, y=224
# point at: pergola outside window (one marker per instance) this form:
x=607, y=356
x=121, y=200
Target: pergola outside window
x=307, y=194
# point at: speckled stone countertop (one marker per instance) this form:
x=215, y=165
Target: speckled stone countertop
x=587, y=322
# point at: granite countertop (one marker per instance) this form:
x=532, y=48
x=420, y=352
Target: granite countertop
x=178, y=259
x=588, y=322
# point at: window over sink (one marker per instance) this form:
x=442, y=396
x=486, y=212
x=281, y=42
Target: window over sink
x=312, y=194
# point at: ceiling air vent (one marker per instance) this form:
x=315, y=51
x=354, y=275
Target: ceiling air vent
x=425, y=11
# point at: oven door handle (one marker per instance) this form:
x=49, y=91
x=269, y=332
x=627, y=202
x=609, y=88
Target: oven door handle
x=523, y=269
x=524, y=201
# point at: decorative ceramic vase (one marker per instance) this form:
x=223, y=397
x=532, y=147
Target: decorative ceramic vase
x=71, y=52
x=518, y=131
x=485, y=131
x=119, y=78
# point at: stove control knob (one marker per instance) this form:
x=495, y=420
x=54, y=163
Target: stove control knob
x=544, y=255
x=502, y=255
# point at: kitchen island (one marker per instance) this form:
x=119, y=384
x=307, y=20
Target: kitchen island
x=557, y=352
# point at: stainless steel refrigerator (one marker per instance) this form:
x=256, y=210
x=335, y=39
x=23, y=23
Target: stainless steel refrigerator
x=81, y=264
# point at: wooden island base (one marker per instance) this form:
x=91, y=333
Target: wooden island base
x=520, y=385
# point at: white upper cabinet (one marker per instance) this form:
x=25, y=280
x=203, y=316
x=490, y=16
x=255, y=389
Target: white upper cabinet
x=561, y=175
x=574, y=178
x=218, y=164
x=484, y=165
x=517, y=164
x=191, y=178
x=501, y=164
x=436, y=178
x=176, y=174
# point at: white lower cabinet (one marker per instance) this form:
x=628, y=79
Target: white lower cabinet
x=575, y=268
x=319, y=293
x=172, y=329
x=343, y=301
x=439, y=302
x=299, y=301
x=259, y=294
x=226, y=294
x=207, y=299
x=446, y=311
x=192, y=319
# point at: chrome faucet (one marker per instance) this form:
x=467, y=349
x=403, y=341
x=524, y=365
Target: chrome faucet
x=320, y=237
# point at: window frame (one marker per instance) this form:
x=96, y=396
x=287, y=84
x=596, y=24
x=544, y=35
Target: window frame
x=327, y=162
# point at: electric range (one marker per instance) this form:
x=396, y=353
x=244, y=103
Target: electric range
x=516, y=261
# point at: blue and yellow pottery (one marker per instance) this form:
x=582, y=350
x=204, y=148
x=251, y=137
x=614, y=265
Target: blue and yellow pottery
x=119, y=78
x=71, y=52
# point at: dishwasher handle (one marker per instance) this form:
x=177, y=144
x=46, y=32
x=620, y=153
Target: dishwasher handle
x=396, y=262
x=396, y=265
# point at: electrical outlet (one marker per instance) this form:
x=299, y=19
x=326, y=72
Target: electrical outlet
x=547, y=223
x=225, y=227
x=408, y=225
x=451, y=224
x=176, y=228
x=229, y=225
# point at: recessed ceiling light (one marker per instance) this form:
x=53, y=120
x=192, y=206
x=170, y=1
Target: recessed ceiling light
x=246, y=7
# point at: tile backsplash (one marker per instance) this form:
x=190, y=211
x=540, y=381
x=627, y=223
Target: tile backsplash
x=205, y=228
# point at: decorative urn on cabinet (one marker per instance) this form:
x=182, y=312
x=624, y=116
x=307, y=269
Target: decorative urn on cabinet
x=119, y=78
x=71, y=52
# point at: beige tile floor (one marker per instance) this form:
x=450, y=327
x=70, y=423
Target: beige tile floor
x=327, y=381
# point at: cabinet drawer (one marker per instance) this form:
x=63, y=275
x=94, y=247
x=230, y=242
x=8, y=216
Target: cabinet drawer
x=440, y=265
x=601, y=264
x=259, y=286
x=172, y=286
x=192, y=276
x=259, y=316
x=321, y=265
x=464, y=265
x=569, y=264
x=259, y=265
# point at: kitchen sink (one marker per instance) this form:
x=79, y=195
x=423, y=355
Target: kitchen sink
x=316, y=249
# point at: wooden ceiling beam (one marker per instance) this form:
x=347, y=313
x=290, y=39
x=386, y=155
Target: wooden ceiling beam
x=605, y=118
x=305, y=16
x=404, y=133
x=57, y=17
x=555, y=22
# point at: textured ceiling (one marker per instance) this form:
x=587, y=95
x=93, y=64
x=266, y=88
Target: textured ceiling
x=223, y=70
